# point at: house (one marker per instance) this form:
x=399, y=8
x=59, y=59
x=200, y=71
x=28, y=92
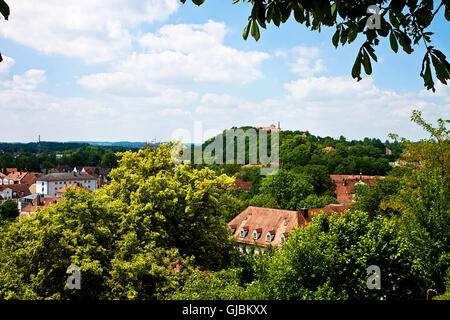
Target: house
x=345, y=185
x=260, y=227
x=50, y=183
x=328, y=149
x=14, y=192
x=388, y=151
x=37, y=202
x=62, y=168
x=14, y=178
x=272, y=128
x=30, y=181
x=75, y=185
x=242, y=185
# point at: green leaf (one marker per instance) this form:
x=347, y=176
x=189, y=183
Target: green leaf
x=426, y=73
x=4, y=9
x=356, y=70
x=393, y=19
x=198, y=2
x=393, y=40
x=336, y=36
x=366, y=63
x=352, y=35
x=255, y=30
x=246, y=30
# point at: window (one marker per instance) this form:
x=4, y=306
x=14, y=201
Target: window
x=268, y=237
x=256, y=234
x=243, y=233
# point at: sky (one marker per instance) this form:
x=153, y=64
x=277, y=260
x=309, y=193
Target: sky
x=146, y=70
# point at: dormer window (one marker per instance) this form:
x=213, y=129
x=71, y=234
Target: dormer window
x=243, y=233
x=269, y=237
x=256, y=234
x=283, y=238
x=232, y=229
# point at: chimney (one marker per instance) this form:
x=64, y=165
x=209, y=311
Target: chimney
x=304, y=212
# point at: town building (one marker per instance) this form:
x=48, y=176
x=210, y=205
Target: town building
x=14, y=192
x=75, y=186
x=37, y=202
x=272, y=128
x=49, y=184
x=260, y=227
x=345, y=185
x=242, y=185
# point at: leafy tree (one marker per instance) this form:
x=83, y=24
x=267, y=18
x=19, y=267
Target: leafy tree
x=328, y=259
x=9, y=210
x=318, y=176
x=405, y=22
x=314, y=201
x=136, y=238
x=287, y=188
x=424, y=199
x=221, y=285
x=376, y=199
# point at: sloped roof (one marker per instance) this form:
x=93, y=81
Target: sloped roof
x=244, y=185
x=66, y=176
x=17, y=188
x=345, y=185
x=44, y=202
x=75, y=186
x=275, y=221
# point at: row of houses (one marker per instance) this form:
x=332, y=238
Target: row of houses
x=32, y=190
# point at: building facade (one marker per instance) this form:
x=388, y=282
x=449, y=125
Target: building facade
x=49, y=184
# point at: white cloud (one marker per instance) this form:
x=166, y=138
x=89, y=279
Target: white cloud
x=28, y=81
x=94, y=31
x=177, y=54
x=6, y=65
x=185, y=38
x=330, y=87
x=305, y=68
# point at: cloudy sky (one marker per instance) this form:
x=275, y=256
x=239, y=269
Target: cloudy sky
x=142, y=70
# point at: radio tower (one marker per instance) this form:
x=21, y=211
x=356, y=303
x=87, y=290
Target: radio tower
x=39, y=144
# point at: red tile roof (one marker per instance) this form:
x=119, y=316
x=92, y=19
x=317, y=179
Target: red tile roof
x=243, y=185
x=345, y=185
x=30, y=178
x=276, y=222
x=18, y=188
x=16, y=176
x=264, y=220
x=44, y=203
x=75, y=185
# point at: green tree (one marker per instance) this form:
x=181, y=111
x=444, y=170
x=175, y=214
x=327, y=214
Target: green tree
x=329, y=258
x=425, y=199
x=287, y=188
x=9, y=210
x=404, y=22
x=221, y=285
x=136, y=238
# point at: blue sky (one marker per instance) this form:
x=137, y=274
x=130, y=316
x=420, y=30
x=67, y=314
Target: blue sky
x=111, y=70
